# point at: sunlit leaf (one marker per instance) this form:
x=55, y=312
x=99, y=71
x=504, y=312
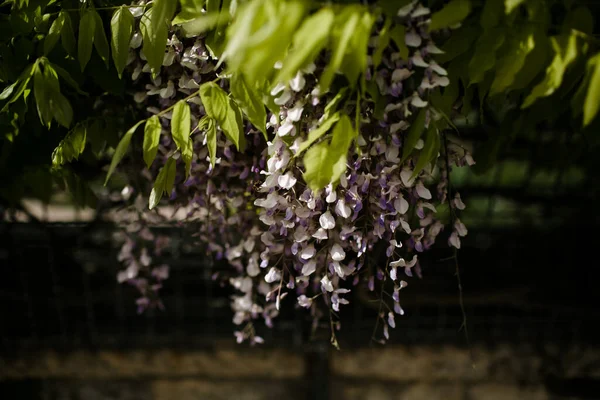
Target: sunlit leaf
x=566, y=51
x=383, y=40
x=87, y=29
x=317, y=133
x=307, y=42
x=121, y=25
x=511, y=5
x=190, y=9
x=163, y=184
x=53, y=34
x=513, y=60
x=211, y=141
x=121, y=150
x=342, y=40
x=181, y=129
x=71, y=146
x=452, y=14
x=592, y=99
x=250, y=102
x=227, y=114
x=152, y=131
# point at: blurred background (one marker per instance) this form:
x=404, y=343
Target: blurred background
x=529, y=272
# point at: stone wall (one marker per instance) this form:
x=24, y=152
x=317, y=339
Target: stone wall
x=504, y=372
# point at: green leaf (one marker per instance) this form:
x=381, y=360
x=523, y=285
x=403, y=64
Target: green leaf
x=452, y=14
x=509, y=65
x=162, y=14
x=227, y=114
x=53, y=34
x=181, y=129
x=511, y=5
x=61, y=109
x=211, y=141
x=325, y=163
x=397, y=34
x=592, y=99
x=458, y=43
x=100, y=40
x=87, y=29
x=580, y=19
x=383, y=40
x=250, y=102
x=121, y=150
x=308, y=41
x=63, y=73
x=318, y=166
x=535, y=62
x=41, y=91
x=18, y=87
x=152, y=131
x=342, y=40
x=317, y=133
x=163, y=184
x=484, y=58
x=190, y=9
x=121, y=25
x=429, y=150
x=71, y=146
x=355, y=59
x=566, y=51
x=155, y=31
x=491, y=14
x=260, y=36
x=204, y=23
x=67, y=34
x=414, y=134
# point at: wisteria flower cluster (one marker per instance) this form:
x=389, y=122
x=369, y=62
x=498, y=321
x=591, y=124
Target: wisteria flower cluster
x=284, y=240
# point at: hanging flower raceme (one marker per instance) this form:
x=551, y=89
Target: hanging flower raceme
x=259, y=210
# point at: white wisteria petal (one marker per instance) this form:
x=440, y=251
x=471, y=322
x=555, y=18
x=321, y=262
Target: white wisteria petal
x=295, y=113
x=273, y=275
x=401, y=205
x=405, y=176
x=327, y=221
x=326, y=284
x=287, y=180
x=309, y=268
x=398, y=263
x=308, y=252
x=342, y=209
x=420, y=11
x=337, y=252
x=298, y=82
x=401, y=74
x=418, y=102
x=422, y=191
x=412, y=39
x=285, y=128
x=418, y=61
x=320, y=234
x=433, y=49
x=435, y=67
